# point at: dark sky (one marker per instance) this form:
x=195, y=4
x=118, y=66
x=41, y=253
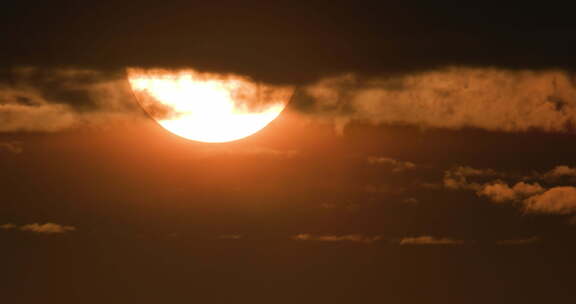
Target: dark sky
x=287, y=41
x=427, y=155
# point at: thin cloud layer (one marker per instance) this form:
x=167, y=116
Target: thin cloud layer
x=8, y=226
x=453, y=98
x=357, y=238
x=46, y=228
x=429, y=240
x=394, y=164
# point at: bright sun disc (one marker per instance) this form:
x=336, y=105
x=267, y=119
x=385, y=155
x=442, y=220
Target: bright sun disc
x=207, y=107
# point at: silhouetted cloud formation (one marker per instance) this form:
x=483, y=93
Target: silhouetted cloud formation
x=51, y=100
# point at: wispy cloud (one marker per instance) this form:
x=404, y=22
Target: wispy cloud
x=358, y=238
x=46, y=228
x=458, y=177
x=429, y=240
x=394, y=164
x=8, y=226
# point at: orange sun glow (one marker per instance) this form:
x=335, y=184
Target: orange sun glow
x=207, y=107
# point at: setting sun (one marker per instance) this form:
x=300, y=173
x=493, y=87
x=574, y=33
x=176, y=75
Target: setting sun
x=207, y=107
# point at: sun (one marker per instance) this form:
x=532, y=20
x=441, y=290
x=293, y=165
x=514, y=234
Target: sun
x=207, y=107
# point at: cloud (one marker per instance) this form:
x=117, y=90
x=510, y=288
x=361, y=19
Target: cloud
x=532, y=197
x=451, y=97
x=47, y=228
x=8, y=226
x=411, y=201
x=500, y=192
x=394, y=164
x=557, y=200
x=458, y=177
x=13, y=147
x=52, y=100
x=526, y=241
x=429, y=240
x=358, y=238
x=559, y=171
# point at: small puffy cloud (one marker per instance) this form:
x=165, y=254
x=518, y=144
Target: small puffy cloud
x=532, y=197
x=411, y=201
x=359, y=238
x=429, y=240
x=47, y=228
x=560, y=171
x=500, y=192
x=394, y=164
x=526, y=241
x=557, y=200
x=13, y=147
x=458, y=177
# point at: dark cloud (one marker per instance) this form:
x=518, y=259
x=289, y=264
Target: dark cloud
x=50, y=100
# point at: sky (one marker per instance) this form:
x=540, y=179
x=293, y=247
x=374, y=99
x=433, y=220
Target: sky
x=426, y=155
